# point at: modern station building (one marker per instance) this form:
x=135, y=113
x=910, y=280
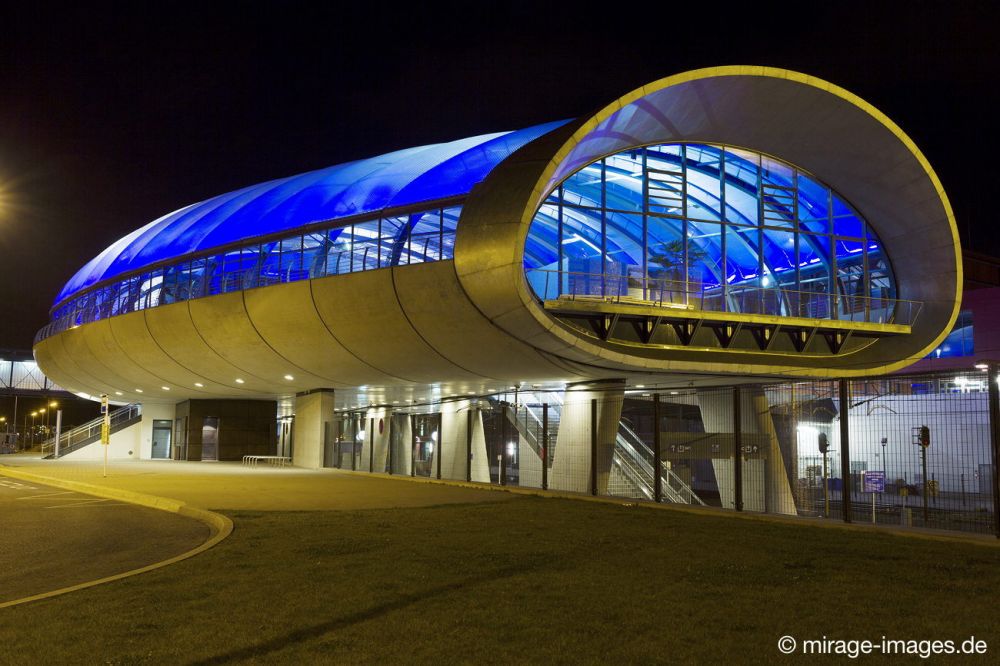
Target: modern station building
x=725, y=226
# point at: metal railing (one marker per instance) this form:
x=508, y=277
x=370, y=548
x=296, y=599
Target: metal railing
x=743, y=299
x=89, y=432
x=635, y=459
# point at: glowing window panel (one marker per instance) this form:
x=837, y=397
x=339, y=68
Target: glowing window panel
x=723, y=222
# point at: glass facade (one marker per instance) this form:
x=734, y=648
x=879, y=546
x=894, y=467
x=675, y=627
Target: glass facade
x=405, y=179
x=397, y=240
x=708, y=227
x=959, y=341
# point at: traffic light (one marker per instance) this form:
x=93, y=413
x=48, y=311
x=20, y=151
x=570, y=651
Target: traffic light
x=824, y=445
x=925, y=436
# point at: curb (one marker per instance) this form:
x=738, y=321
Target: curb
x=221, y=526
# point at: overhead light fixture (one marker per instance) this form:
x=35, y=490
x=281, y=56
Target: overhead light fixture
x=165, y=388
x=199, y=385
x=138, y=390
x=289, y=377
x=239, y=381
x=118, y=392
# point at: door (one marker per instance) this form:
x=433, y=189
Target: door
x=161, y=439
x=180, y=438
x=210, y=438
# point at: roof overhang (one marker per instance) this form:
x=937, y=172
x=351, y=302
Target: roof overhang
x=841, y=139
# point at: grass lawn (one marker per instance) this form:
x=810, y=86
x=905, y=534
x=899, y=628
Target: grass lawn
x=530, y=580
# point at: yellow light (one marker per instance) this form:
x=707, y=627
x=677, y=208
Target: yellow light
x=53, y=404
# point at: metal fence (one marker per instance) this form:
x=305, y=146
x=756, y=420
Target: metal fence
x=909, y=451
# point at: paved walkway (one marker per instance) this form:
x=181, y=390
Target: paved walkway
x=55, y=538
x=229, y=486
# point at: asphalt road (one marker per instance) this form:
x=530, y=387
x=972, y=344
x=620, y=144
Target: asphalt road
x=52, y=538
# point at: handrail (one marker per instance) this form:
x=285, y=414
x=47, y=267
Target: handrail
x=91, y=429
x=745, y=299
x=674, y=489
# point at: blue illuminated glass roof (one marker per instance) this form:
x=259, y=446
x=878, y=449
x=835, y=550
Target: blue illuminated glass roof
x=401, y=178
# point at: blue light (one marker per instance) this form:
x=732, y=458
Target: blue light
x=372, y=185
x=709, y=216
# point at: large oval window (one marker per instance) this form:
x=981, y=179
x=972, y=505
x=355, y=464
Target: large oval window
x=708, y=227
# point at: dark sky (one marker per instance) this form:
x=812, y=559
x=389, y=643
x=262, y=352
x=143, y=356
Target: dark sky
x=113, y=115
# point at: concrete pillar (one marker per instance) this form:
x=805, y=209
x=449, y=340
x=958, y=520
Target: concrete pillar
x=153, y=412
x=453, y=442
x=572, y=455
x=765, y=483
x=380, y=436
x=313, y=411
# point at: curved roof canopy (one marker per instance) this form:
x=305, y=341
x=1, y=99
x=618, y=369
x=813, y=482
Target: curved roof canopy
x=393, y=180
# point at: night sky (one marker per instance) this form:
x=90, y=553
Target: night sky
x=111, y=117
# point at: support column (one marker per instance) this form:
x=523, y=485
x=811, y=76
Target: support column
x=376, y=449
x=764, y=479
x=993, y=376
x=657, y=452
x=462, y=443
x=845, y=449
x=312, y=412
x=737, y=451
x=545, y=446
x=572, y=458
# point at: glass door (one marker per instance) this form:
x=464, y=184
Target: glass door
x=161, y=439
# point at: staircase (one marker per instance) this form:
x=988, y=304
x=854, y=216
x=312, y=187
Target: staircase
x=527, y=420
x=634, y=460
x=90, y=432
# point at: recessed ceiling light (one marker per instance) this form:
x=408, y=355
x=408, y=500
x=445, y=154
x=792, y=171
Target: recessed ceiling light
x=239, y=381
x=118, y=392
x=289, y=377
x=640, y=386
x=673, y=393
x=165, y=388
x=199, y=385
x=138, y=390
